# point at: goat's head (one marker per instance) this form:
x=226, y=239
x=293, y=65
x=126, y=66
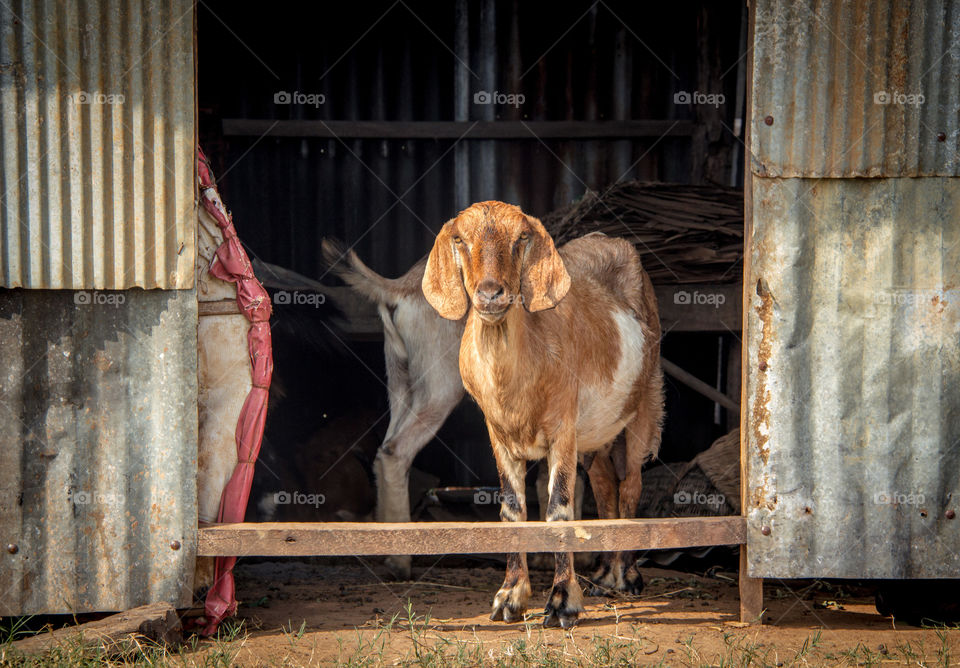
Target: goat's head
x=494, y=255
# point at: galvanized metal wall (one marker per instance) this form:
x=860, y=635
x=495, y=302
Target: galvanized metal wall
x=425, y=61
x=852, y=434
x=97, y=141
x=856, y=88
x=98, y=426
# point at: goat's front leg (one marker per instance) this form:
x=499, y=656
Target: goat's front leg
x=511, y=601
x=565, y=601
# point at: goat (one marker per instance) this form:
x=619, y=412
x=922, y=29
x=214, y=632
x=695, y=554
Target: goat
x=421, y=351
x=560, y=376
x=423, y=382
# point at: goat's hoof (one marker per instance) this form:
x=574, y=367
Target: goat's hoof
x=510, y=603
x=507, y=613
x=609, y=581
x=564, y=605
x=602, y=581
x=564, y=621
x=633, y=581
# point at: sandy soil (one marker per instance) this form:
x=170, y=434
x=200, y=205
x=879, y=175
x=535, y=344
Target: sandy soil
x=299, y=613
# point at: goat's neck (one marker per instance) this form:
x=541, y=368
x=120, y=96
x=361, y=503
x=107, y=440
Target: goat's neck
x=495, y=340
x=507, y=346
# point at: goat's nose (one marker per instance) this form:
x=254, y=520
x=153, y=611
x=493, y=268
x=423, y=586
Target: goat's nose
x=489, y=290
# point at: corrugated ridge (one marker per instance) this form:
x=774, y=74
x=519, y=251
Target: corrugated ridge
x=818, y=69
x=856, y=404
x=97, y=195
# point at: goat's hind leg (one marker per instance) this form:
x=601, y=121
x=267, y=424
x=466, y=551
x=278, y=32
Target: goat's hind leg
x=608, y=576
x=511, y=600
x=392, y=471
x=643, y=442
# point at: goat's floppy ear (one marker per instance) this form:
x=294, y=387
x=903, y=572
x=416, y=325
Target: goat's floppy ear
x=442, y=283
x=544, y=280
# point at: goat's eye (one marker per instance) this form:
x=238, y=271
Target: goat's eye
x=457, y=240
x=523, y=236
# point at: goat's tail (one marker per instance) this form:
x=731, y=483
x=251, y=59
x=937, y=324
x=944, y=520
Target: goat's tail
x=348, y=266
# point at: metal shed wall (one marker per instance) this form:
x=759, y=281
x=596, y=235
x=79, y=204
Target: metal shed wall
x=852, y=432
x=98, y=426
x=857, y=88
x=97, y=138
x=574, y=62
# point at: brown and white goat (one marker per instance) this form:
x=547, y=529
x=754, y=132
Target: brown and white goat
x=559, y=376
x=421, y=351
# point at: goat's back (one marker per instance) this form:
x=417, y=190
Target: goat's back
x=614, y=265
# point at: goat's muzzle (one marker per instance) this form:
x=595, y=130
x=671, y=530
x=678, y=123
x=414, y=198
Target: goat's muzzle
x=491, y=301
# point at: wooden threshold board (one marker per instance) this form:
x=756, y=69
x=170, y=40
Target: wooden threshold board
x=369, y=538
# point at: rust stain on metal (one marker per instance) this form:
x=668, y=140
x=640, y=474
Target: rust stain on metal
x=760, y=413
x=855, y=90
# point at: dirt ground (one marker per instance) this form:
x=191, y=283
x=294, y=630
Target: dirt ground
x=300, y=613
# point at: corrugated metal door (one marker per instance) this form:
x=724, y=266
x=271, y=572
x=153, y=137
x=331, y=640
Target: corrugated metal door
x=852, y=433
x=98, y=390
x=96, y=144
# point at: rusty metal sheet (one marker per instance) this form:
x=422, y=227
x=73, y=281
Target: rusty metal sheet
x=98, y=426
x=856, y=89
x=853, y=352
x=97, y=144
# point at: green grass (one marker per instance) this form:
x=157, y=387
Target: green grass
x=409, y=638
x=218, y=652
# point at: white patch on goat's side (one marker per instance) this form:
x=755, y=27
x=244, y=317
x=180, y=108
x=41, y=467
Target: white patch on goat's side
x=600, y=407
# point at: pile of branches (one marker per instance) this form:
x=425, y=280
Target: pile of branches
x=685, y=234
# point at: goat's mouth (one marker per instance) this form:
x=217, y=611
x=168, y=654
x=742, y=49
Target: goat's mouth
x=492, y=313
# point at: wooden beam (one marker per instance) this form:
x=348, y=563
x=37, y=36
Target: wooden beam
x=363, y=322
x=703, y=388
x=751, y=589
x=156, y=621
x=219, y=307
x=700, y=307
x=255, y=127
x=751, y=593
x=368, y=538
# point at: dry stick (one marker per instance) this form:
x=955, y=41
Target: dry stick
x=414, y=584
x=695, y=383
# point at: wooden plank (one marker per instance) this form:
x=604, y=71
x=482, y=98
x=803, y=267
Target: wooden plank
x=456, y=129
x=751, y=593
x=219, y=307
x=368, y=538
x=751, y=589
x=157, y=621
